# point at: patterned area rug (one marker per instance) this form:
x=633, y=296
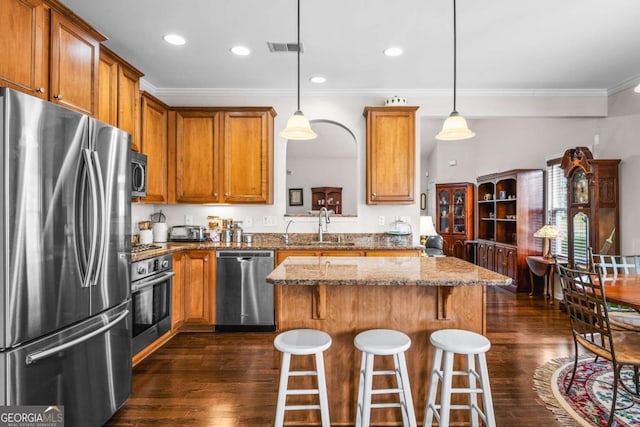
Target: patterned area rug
x=589, y=400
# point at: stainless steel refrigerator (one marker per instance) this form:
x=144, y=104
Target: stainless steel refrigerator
x=65, y=325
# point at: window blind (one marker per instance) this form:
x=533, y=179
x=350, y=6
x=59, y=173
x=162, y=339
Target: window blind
x=557, y=206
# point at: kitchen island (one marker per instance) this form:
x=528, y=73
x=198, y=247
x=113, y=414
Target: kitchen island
x=347, y=295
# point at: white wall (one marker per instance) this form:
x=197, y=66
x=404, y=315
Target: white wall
x=501, y=144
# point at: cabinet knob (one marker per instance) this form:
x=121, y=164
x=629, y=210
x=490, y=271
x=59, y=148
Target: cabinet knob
x=226, y=194
x=215, y=194
x=40, y=90
x=374, y=194
x=57, y=97
x=206, y=259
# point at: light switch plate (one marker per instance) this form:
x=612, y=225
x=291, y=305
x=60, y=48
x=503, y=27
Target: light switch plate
x=381, y=220
x=248, y=222
x=188, y=219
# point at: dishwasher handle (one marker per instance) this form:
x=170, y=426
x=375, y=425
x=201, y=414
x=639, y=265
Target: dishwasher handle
x=240, y=255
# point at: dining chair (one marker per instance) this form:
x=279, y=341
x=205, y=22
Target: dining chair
x=610, y=267
x=586, y=304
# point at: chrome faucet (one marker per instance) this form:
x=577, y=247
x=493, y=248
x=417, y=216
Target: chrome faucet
x=326, y=223
x=285, y=236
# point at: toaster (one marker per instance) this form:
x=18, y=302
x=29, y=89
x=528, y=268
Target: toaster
x=186, y=233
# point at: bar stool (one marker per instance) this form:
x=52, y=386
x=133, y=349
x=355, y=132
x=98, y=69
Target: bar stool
x=383, y=342
x=449, y=342
x=302, y=342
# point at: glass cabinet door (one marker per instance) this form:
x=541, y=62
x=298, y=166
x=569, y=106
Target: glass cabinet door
x=444, y=203
x=580, y=241
x=458, y=211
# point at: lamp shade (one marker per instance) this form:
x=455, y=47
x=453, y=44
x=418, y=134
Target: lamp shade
x=426, y=226
x=455, y=128
x=548, y=232
x=298, y=128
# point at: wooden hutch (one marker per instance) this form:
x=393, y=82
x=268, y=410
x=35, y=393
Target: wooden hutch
x=593, y=218
x=510, y=209
x=327, y=197
x=454, y=221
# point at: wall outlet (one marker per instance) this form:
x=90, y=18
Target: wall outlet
x=381, y=220
x=248, y=222
x=188, y=219
x=269, y=221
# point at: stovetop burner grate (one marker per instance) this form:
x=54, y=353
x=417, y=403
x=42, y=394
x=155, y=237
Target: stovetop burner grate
x=146, y=247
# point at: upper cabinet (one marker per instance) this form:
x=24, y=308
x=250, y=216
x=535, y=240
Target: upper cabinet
x=455, y=217
x=24, y=42
x=119, y=95
x=54, y=54
x=391, y=159
x=593, y=217
x=221, y=155
x=154, y=144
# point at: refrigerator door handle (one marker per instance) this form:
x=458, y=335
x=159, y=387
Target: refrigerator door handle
x=39, y=355
x=94, y=235
x=101, y=210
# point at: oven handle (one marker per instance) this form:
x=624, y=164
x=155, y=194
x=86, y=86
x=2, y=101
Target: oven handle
x=38, y=355
x=162, y=278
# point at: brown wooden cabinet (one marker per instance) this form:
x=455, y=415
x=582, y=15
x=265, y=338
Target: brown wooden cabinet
x=199, y=288
x=593, y=217
x=177, y=293
x=24, y=46
x=391, y=159
x=327, y=197
x=510, y=208
x=119, y=95
x=75, y=53
x=454, y=221
x=49, y=52
x=219, y=155
x=154, y=144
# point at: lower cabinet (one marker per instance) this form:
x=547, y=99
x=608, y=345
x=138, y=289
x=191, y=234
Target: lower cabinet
x=177, y=294
x=199, y=287
x=403, y=252
x=500, y=258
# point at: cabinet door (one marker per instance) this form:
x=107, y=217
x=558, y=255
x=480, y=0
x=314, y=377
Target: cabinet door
x=247, y=157
x=390, y=154
x=74, y=66
x=282, y=255
x=24, y=47
x=444, y=212
x=199, y=289
x=177, y=302
x=197, y=157
x=108, y=88
x=153, y=143
x=408, y=252
x=506, y=261
x=128, y=103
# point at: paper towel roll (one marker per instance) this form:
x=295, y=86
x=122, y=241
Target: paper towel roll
x=160, y=231
x=146, y=237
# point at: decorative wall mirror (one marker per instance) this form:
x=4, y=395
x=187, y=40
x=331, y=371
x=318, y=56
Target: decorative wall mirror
x=325, y=164
x=592, y=205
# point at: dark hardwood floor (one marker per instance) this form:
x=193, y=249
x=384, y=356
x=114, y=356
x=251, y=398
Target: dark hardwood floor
x=231, y=379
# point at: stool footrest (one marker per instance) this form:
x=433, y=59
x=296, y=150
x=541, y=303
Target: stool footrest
x=386, y=390
x=302, y=391
x=391, y=372
x=302, y=373
x=386, y=405
x=467, y=390
x=300, y=407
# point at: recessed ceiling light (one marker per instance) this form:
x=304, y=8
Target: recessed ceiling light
x=392, y=51
x=318, y=79
x=240, y=50
x=637, y=89
x=174, y=39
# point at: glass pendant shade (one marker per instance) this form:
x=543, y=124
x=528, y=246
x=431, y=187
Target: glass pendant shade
x=455, y=128
x=298, y=128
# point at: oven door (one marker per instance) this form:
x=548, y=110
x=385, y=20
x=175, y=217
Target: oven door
x=151, y=298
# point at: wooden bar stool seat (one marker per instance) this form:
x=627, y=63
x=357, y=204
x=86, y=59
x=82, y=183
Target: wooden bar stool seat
x=302, y=342
x=383, y=342
x=449, y=342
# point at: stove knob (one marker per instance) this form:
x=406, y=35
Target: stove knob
x=142, y=269
x=164, y=263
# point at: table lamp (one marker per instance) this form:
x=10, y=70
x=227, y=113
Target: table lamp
x=426, y=228
x=547, y=232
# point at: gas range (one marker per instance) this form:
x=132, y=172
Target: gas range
x=146, y=247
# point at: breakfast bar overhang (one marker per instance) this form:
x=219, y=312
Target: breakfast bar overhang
x=344, y=296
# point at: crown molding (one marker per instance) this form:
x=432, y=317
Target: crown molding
x=629, y=83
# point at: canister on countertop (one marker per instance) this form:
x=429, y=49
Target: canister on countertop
x=237, y=232
x=247, y=238
x=227, y=235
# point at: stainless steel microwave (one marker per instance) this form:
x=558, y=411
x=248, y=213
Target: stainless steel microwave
x=138, y=174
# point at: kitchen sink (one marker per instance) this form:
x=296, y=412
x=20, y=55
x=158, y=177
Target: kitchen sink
x=323, y=244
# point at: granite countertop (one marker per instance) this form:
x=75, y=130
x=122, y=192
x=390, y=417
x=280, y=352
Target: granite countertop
x=388, y=271
x=297, y=241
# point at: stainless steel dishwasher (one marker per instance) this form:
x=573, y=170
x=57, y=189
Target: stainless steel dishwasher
x=244, y=300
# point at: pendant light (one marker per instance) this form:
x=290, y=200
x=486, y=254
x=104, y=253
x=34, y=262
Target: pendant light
x=298, y=127
x=455, y=127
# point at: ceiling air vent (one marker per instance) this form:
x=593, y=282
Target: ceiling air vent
x=285, y=47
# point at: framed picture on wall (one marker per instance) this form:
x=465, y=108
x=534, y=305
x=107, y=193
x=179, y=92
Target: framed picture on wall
x=295, y=197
